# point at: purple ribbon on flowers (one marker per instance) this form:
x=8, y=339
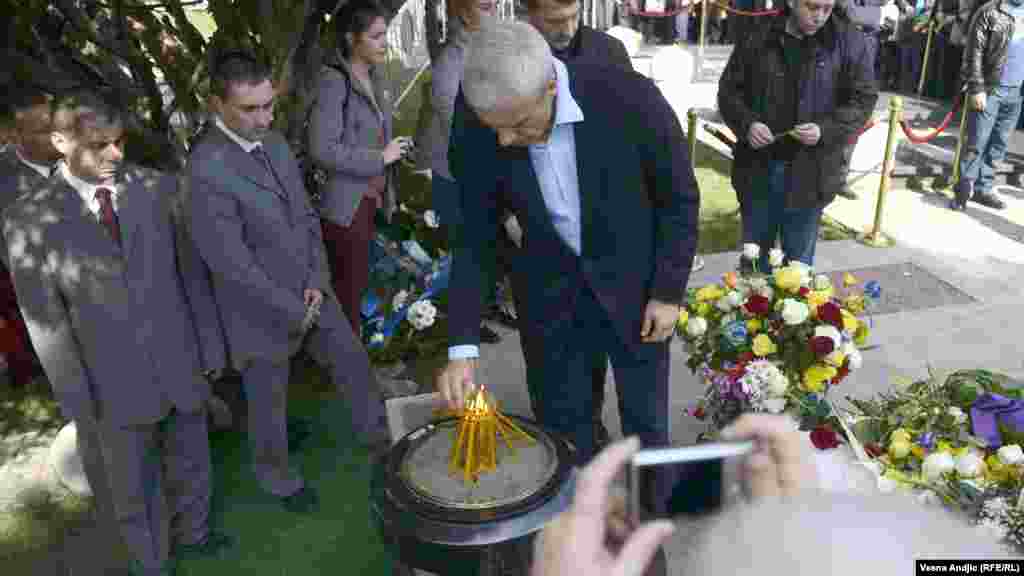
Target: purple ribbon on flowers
x=990, y=410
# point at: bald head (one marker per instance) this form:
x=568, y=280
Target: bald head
x=837, y=535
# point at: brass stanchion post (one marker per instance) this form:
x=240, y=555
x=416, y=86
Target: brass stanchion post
x=691, y=135
x=700, y=45
x=964, y=103
x=924, y=63
x=875, y=238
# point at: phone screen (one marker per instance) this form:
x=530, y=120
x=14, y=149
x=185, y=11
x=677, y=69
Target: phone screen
x=687, y=482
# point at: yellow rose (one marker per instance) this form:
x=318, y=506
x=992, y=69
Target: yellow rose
x=899, y=435
x=899, y=450
x=816, y=298
x=850, y=322
x=854, y=303
x=816, y=376
x=711, y=292
x=763, y=345
x=788, y=279
x=849, y=279
x=683, y=317
x=861, y=335
x=754, y=325
x=703, y=309
x=835, y=358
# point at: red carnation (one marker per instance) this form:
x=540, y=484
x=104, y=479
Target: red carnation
x=873, y=450
x=804, y=291
x=831, y=313
x=822, y=346
x=842, y=373
x=824, y=437
x=758, y=305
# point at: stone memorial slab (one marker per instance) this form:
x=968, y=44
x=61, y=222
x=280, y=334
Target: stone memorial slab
x=905, y=287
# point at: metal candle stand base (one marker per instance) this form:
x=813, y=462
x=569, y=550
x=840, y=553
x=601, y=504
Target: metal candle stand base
x=480, y=541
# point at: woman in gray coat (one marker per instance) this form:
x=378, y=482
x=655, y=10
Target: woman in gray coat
x=350, y=138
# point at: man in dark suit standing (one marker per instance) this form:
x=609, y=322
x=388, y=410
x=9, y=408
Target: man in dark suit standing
x=596, y=171
x=24, y=166
x=256, y=230
x=125, y=333
x=576, y=43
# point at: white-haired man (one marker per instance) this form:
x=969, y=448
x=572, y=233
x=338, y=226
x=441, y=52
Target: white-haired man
x=594, y=167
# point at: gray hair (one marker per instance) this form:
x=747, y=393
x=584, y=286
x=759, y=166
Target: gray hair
x=505, y=59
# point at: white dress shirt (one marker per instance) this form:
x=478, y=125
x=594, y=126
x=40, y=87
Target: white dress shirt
x=88, y=191
x=247, y=145
x=554, y=163
x=43, y=171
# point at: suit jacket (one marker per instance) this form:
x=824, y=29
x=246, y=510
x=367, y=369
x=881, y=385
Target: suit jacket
x=16, y=180
x=594, y=47
x=114, y=327
x=638, y=208
x=345, y=140
x=262, y=244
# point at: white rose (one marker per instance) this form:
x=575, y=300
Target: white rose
x=794, y=312
x=421, y=314
x=936, y=464
x=830, y=332
x=774, y=405
x=958, y=415
x=430, y=219
x=854, y=359
x=767, y=292
x=724, y=304
x=399, y=300
x=970, y=465
x=775, y=257
x=756, y=283
x=1010, y=454
x=822, y=282
x=696, y=327
x=777, y=384
x=735, y=298
x=751, y=251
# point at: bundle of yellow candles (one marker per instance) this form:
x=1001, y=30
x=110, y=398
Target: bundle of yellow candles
x=475, y=439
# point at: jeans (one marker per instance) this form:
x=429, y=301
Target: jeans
x=988, y=133
x=765, y=218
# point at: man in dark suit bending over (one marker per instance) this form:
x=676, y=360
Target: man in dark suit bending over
x=596, y=171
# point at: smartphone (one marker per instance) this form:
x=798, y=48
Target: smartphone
x=684, y=481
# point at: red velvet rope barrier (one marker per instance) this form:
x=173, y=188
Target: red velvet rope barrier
x=732, y=10
x=931, y=134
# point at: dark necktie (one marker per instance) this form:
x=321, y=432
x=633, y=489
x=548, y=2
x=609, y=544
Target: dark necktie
x=107, y=215
x=261, y=157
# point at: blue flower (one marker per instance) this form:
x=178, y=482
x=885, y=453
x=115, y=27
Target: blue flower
x=370, y=304
x=813, y=398
x=873, y=290
x=926, y=440
x=736, y=333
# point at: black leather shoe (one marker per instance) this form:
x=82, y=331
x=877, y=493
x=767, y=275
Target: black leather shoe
x=213, y=546
x=988, y=200
x=305, y=501
x=957, y=205
x=299, y=430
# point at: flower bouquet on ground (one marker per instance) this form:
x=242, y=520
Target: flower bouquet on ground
x=953, y=440
x=774, y=341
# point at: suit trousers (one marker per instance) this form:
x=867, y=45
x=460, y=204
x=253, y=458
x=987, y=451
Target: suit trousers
x=266, y=392
x=159, y=476
x=560, y=363
x=89, y=450
x=348, y=256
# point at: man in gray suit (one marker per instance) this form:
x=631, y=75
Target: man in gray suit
x=24, y=166
x=125, y=329
x=258, y=233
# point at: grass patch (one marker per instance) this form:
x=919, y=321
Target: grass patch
x=40, y=523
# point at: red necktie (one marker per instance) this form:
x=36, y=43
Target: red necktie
x=107, y=215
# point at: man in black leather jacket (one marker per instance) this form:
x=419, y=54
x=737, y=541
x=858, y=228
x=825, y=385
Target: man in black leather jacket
x=993, y=70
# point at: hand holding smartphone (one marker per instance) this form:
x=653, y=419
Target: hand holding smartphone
x=685, y=481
